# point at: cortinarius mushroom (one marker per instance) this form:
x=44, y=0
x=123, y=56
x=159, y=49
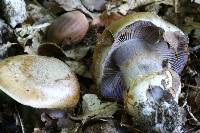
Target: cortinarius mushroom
x=39, y=81
x=138, y=59
x=69, y=28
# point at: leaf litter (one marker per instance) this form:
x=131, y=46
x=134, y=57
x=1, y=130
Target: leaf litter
x=30, y=21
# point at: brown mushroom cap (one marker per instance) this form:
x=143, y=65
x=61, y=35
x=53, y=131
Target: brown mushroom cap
x=69, y=28
x=39, y=81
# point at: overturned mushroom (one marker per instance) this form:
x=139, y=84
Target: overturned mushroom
x=39, y=81
x=138, y=59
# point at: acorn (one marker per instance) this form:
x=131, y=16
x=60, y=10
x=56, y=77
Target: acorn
x=39, y=81
x=70, y=28
x=137, y=60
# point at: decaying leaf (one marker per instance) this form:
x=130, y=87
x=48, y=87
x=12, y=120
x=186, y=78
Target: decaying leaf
x=51, y=50
x=94, y=108
x=77, y=53
x=6, y=33
x=14, y=11
x=38, y=14
x=28, y=32
x=79, y=68
x=154, y=8
x=123, y=6
x=106, y=19
x=94, y=5
x=70, y=5
x=190, y=26
x=92, y=104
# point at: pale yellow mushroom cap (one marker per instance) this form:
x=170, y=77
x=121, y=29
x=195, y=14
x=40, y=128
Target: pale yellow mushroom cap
x=39, y=81
x=167, y=80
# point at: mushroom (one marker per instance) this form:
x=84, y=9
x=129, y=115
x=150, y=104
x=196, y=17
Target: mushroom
x=137, y=60
x=69, y=28
x=39, y=81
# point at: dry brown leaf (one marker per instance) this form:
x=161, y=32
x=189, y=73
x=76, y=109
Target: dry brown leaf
x=79, y=68
x=94, y=108
x=94, y=5
x=105, y=19
x=38, y=14
x=77, y=53
x=123, y=6
x=70, y=5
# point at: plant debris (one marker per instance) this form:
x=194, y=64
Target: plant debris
x=14, y=11
x=23, y=31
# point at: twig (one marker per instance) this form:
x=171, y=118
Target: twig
x=189, y=130
x=193, y=117
x=129, y=126
x=30, y=29
x=195, y=88
x=194, y=49
x=177, y=6
x=20, y=120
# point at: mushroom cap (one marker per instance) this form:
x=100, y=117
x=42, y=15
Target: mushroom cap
x=39, y=81
x=151, y=88
x=69, y=28
x=136, y=45
x=153, y=100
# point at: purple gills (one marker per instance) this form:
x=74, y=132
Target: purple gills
x=138, y=60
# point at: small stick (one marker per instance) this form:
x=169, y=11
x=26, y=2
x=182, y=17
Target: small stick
x=20, y=120
x=195, y=88
x=193, y=117
x=194, y=49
